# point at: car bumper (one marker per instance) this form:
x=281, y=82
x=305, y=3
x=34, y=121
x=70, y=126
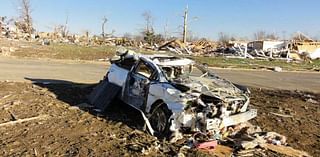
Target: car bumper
x=214, y=124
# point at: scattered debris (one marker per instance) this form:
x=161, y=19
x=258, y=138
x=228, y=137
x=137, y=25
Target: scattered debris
x=299, y=48
x=310, y=100
x=277, y=69
x=6, y=51
x=118, y=132
x=207, y=145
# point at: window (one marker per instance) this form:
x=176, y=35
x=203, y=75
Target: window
x=144, y=70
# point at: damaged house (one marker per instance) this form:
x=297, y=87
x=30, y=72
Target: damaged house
x=268, y=48
x=300, y=49
x=174, y=95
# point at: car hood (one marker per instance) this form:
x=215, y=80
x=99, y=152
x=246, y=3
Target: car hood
x=210, y=86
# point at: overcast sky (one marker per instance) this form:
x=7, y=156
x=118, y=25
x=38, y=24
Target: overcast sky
x=240, y=18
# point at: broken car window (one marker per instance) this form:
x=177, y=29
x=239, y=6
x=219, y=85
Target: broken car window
x=144, y=70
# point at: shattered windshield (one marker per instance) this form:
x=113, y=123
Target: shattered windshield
x=174, y=72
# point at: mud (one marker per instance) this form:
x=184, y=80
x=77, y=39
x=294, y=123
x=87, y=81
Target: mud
x=71, y=130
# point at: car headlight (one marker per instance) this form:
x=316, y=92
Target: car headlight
x=172, y=91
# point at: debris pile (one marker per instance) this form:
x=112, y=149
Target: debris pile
x=176, y=46
x=246, y=139
x=301, y=47
x=6, y=51
x=261, y=49
x=194, y=48
x=14, y=29
x=203, y=46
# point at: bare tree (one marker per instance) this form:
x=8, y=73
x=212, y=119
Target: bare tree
x=65, y=30
x=104, y=21
x=260, y=35
x=86, y=34
x=192, y=36
x=25, y=14
x=223, y=38
x=1, y=23
x=272, y=36
x=233, y=38
x=148, y=32
x=166, y=30
x=149, y=21
x=127, y=35
x=263, y=35
x=62, y=29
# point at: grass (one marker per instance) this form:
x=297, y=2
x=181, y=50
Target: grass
x=77, y=52
x=257, y=64
x=67, y=51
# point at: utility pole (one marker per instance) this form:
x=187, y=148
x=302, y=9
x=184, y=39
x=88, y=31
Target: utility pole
x=166, y=30
x=185, y=23
x=104, y=21
x=1, y=20
x=65, y=27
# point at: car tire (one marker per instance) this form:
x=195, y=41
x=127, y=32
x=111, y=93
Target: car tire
x=160, y=121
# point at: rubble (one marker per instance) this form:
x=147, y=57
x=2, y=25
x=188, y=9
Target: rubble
x=176, y=46
x=288, y=50
x=310, y=100
x=277, y=69
x=261, y=49
x=207, y=145
x=6, y=51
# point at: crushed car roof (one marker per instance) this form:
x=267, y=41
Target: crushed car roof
x=166, y=60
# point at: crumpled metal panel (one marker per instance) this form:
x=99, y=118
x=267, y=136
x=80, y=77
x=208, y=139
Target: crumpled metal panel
x=239, y=118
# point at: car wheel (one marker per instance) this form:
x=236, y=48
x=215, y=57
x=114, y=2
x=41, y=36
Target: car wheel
x=159, y=121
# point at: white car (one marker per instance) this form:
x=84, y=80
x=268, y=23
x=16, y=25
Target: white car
x=174, y=95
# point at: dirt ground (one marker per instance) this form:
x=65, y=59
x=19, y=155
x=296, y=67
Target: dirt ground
x=66, y=130
x=302, y=129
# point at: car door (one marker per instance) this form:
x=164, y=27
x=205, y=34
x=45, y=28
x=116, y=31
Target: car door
x=137, y=84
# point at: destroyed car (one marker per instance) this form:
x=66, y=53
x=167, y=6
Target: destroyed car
x=173, y=94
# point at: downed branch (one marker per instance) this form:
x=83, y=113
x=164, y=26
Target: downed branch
x=41, y=117
x=281, y=115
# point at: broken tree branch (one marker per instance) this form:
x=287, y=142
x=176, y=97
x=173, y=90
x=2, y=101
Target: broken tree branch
x=42, y=117
x=281, y=115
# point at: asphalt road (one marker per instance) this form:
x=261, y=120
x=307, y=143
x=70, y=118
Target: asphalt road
x=14, y=69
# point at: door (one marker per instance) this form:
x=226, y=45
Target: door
x=137, y=85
